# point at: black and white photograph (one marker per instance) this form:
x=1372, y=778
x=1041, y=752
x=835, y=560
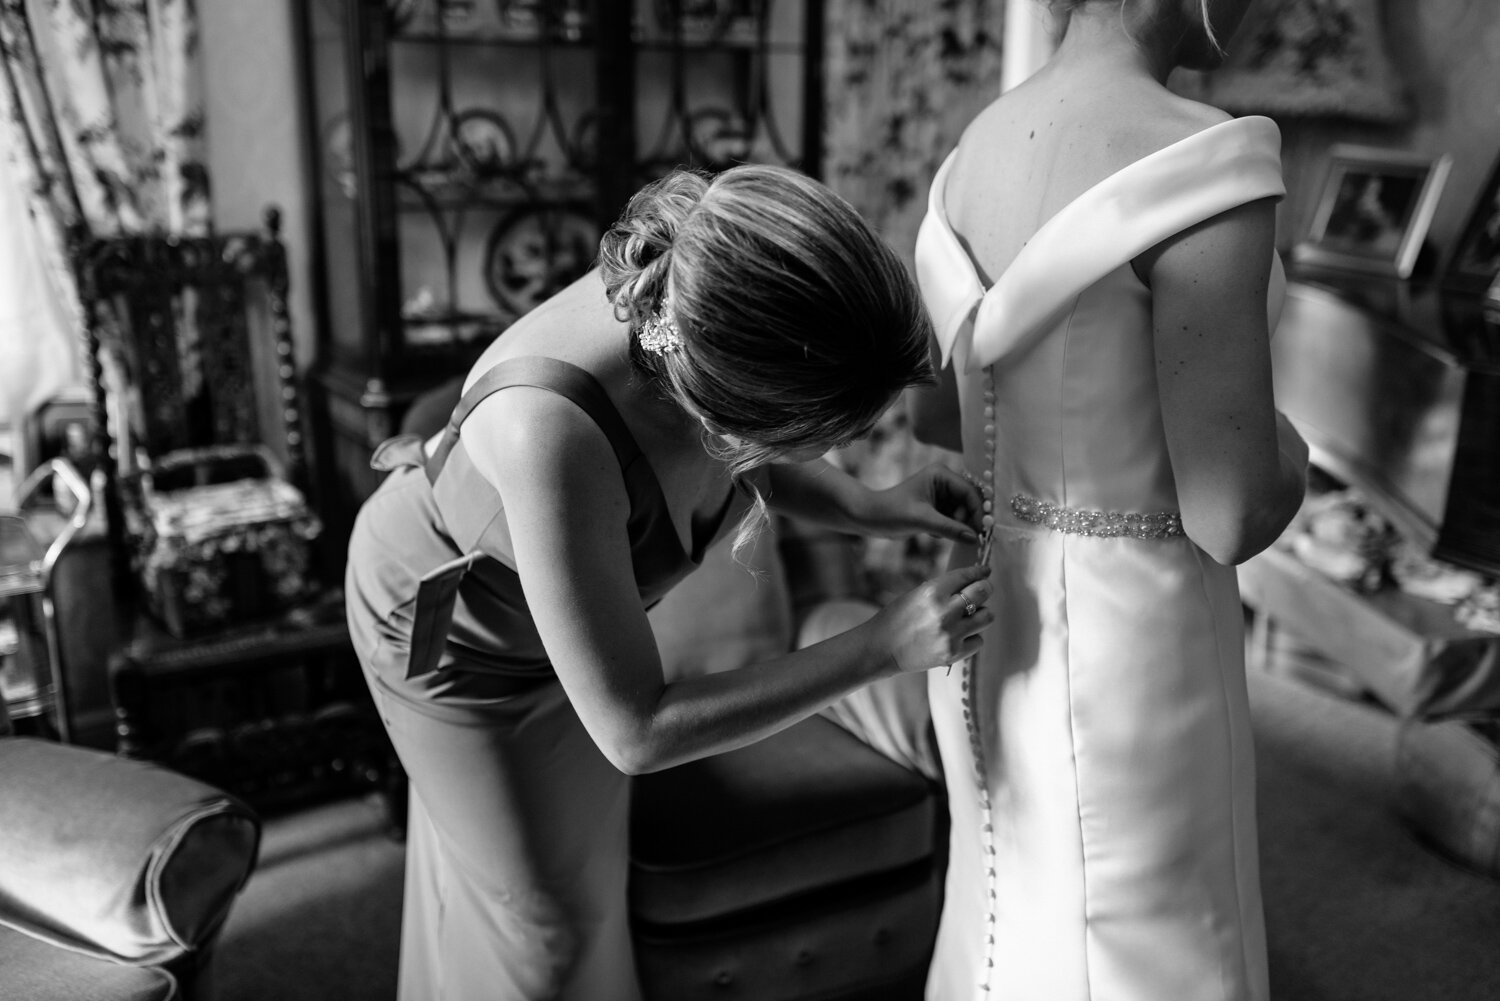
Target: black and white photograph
x=1374, y=210
x=749, y=500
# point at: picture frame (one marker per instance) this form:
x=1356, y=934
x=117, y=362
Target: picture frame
x=62, y=425
x=1475, y=262
x=1373, y=210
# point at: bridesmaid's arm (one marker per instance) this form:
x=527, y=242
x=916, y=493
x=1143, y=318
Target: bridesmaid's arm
x=817, y=492
x=567, y=509
x=935, y=500
x=935, y=415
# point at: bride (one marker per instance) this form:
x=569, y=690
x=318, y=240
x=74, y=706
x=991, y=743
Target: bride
x=1098, y=262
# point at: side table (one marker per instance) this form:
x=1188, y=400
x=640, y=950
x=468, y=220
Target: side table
x=36, y=686
x=1410, y=653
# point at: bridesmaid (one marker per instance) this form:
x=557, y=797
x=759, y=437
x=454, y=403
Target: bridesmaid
x=498, y=580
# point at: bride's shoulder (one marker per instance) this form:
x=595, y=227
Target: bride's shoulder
x=1183, y=137
x=1171, y=119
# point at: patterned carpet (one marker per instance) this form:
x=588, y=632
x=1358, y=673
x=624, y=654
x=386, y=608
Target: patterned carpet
x=1356, y=909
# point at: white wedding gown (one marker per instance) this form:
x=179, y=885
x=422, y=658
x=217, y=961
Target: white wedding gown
x=1110, y=749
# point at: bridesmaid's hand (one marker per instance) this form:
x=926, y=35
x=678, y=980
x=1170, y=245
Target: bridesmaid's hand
x=935, y=500
x=936, y=623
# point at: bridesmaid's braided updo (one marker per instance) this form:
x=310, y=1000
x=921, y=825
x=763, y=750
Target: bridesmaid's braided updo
x=798, y=325
x=769, y=311
x=635, y=254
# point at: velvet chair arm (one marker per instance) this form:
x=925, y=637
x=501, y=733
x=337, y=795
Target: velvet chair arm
x=116, y=858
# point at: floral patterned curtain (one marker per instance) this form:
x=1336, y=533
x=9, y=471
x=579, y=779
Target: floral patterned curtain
x=904, y=78
x=1311, y=58
x=101, y=122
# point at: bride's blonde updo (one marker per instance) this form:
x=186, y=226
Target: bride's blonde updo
x=1064, y=8
x=795, y=325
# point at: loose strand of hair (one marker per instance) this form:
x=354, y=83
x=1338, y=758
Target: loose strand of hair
x=752, y=525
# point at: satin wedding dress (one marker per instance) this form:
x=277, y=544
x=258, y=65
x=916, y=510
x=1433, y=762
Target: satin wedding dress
x=1098, y=750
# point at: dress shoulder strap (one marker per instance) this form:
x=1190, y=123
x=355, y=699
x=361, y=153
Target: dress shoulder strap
x=560, y=377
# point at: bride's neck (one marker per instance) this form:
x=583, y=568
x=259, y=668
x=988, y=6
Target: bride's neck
x=1100, y=42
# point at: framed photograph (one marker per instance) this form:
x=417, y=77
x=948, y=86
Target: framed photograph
x=1373, y=210
x=1476, y=256
x=62, y=425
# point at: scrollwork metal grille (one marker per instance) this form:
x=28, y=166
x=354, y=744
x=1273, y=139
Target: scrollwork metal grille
x=497, y=130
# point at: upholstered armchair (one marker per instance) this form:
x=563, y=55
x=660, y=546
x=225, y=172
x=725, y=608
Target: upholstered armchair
x=115, y=875
x=808, y=865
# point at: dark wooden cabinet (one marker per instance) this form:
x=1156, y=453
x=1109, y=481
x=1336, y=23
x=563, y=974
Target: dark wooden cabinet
x=1396, y=386
x=467, y=154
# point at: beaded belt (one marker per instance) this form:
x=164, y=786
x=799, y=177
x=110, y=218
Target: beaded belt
x=1100, y=524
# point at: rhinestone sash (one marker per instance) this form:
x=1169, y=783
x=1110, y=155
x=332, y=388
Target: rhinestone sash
x=1100, y=524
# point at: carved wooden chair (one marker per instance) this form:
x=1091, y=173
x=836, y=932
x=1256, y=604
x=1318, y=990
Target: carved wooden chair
x=200, y=437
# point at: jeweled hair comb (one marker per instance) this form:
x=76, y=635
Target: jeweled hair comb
x=659, y=334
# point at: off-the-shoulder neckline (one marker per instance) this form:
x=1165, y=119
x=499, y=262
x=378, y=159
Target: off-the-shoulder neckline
x=937, y=205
